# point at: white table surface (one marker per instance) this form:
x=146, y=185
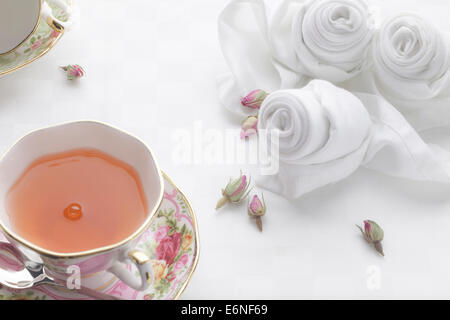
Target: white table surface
x=151, y=69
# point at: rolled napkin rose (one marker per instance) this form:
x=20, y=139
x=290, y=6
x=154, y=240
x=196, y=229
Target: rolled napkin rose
x=412, y=69
x=325, y=133
x=322, y=131
x=331, y=38
x=285, y=46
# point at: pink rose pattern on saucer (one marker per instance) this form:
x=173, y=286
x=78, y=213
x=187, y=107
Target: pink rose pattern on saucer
x=171, y=241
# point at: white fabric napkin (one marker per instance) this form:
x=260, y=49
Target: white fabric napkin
x=289, y=42
x=286, y=45
x=325, y=133
x=412, y=69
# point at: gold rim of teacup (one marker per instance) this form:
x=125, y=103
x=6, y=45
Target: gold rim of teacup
x=72, y=255
x=31, y=33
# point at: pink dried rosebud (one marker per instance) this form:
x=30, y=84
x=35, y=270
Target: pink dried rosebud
x=254, y=99
x=249, y=127
x=256, y=209
x=73, y=71
x=373, y=234
x=235, y=191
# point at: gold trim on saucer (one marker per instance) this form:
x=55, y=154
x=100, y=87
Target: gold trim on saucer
x=197, y=239
x=31, y=33
x=50, y=46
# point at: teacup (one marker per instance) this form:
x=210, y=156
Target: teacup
x=20, y=18
x=103, y=137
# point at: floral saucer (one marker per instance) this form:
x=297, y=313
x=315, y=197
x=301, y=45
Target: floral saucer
x=171, y=241
x=42, y=40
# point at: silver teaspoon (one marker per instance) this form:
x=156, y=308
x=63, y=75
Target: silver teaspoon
x=19, y=272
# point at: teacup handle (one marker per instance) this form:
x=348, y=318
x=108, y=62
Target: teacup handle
x=144, y=266
x=55, y=23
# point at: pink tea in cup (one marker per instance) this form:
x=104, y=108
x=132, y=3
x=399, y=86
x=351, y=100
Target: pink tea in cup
x=77, y=200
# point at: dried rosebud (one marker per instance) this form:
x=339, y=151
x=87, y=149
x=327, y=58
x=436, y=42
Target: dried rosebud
x=373, y=234
x=257, y=209
x=235, y=191
x=254, y=99
x=249, y=127
x=73, y=71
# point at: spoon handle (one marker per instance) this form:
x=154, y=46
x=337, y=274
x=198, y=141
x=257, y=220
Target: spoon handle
x=28, y=274
x=85, y=291
x=96, y=294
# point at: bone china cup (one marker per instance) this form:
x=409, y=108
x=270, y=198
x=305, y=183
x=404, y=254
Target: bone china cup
x=95, y=135
x=20, y=18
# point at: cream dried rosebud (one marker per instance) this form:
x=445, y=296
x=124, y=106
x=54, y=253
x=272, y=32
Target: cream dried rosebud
x=73, y=71
x=235, y=191
x=373, y=234
x=249, y=127
x=257, y=209
x=254, y=99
